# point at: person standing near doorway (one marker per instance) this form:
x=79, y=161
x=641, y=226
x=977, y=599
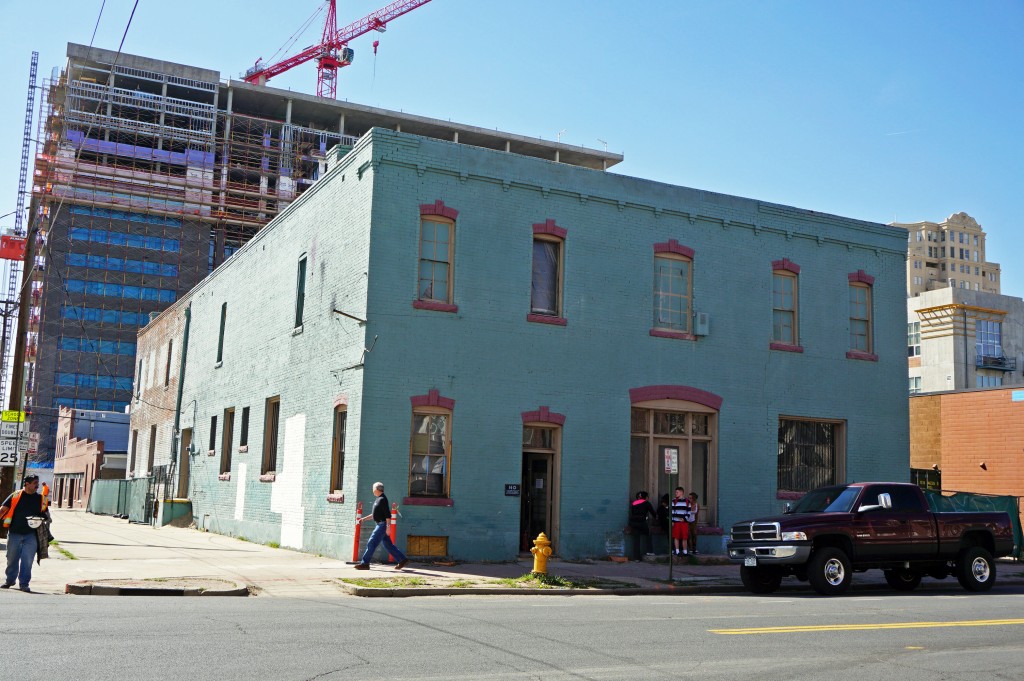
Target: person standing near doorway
x=22, y=512
x=640, y=511
x=691, y=522
x=680, y=526
x=381, y=514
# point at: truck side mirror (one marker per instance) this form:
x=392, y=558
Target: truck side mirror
x=884, y=500
x=789, y=508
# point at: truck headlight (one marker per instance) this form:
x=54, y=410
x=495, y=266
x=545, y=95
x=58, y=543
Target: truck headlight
x=794, y=536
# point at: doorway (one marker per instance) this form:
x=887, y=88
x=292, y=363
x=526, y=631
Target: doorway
x=183, y=463
x=535, y=501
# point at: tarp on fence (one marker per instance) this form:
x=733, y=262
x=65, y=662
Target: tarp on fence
x=946, y=501
x=108, y=497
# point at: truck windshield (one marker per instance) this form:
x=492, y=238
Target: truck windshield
x=828, y=500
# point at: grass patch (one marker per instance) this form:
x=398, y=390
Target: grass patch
x=538, y=581
x=385, y=582
x=462, y=584
x=273, y=545
x=63, y=551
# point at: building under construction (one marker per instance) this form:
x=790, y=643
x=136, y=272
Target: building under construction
x=148, y=175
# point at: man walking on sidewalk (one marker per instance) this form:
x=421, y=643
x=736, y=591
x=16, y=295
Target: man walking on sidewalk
x=22, y=539
x=381, y=515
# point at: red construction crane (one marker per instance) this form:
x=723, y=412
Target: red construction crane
x=333, y=51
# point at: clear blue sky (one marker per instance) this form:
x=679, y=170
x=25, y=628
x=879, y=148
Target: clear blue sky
x=873, y=109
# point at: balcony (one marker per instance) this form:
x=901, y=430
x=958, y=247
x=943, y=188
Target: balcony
x=997, y=363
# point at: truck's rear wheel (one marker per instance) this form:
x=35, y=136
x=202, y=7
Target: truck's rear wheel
x=975, y=570
x=760, y=580
x=903, y=579
x=829, y=571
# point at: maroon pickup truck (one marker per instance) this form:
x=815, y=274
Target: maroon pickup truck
x=836, y=531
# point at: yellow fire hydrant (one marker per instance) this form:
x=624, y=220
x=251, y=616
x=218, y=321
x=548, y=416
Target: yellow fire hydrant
x=541, y=550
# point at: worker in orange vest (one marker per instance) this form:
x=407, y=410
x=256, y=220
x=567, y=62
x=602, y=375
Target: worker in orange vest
x=22, y=514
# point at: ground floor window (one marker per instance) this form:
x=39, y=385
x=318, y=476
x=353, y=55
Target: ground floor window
x=811, y=454
x=431, y=445
x=679, y=430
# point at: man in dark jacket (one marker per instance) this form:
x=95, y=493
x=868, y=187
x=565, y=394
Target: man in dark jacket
x=22, y=540
x=640, y=511
x=381, y=515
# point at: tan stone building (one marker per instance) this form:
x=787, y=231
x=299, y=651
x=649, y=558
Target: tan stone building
x=90, y=446
x=949, y=254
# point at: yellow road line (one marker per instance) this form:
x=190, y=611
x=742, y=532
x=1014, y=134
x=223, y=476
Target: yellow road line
x=865, y=627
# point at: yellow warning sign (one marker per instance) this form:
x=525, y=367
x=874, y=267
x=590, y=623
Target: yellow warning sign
x=13, y=416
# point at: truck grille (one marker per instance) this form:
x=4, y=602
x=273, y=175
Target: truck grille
x=756, y=532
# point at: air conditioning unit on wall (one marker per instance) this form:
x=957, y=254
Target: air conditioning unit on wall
x=701, y=323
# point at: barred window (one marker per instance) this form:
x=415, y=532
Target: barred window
x=811, y=454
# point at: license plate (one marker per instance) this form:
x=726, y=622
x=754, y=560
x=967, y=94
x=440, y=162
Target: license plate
x=750, y=561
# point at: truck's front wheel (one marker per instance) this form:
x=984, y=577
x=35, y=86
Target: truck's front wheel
x=829, y=571
x=975, y=570
x=760, y=580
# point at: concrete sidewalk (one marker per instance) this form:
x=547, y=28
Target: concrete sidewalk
x=107, y=548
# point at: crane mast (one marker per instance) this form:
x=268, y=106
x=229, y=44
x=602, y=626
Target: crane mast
x=332, y=53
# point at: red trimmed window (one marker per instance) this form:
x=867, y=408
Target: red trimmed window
x=430, y=445
x=673, y=287
x=547, y=283
x=861, y=340
x=785, y=301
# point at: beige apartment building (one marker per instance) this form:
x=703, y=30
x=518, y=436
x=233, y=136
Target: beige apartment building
x=948, y=254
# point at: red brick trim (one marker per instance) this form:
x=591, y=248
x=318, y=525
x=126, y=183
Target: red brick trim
x=673, y=246
x=340, y=401
x=785, y=347
x=549, y=227
x=224, y=477
x=857, y=354
x=785, y=264
x=861, y=276
x=438, y=208
x=427, y=501
x=432, y=399
x=546, y=319
x=435, y=306
x=243, y=449
x=268, y=477
x=675, y=392
x=678, y=335
x=789, y=496
x=335, y=498
x=543, y=415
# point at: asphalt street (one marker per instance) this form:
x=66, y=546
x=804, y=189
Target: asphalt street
x=875, y=635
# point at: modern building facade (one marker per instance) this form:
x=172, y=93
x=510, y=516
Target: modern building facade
x=514, y=345
x=149, y=174
x=949, y=254
x=959, y=339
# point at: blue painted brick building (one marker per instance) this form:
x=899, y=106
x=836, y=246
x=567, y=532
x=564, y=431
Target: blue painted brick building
x=514, y=345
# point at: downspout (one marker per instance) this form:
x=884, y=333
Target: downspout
x=181, y=387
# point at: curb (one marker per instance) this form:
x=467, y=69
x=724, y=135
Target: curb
x=666, y=590
x=91, y=589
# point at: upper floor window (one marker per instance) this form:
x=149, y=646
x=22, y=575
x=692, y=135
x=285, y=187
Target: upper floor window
x=914, y=385
x=988, y=338
x=437, y=241
x=860, y=313
x=914, y=339
x=220, y=336
x=546, y=284
x=784, y=307
x=300, y=291
x=227, y=438
x=673, y=293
